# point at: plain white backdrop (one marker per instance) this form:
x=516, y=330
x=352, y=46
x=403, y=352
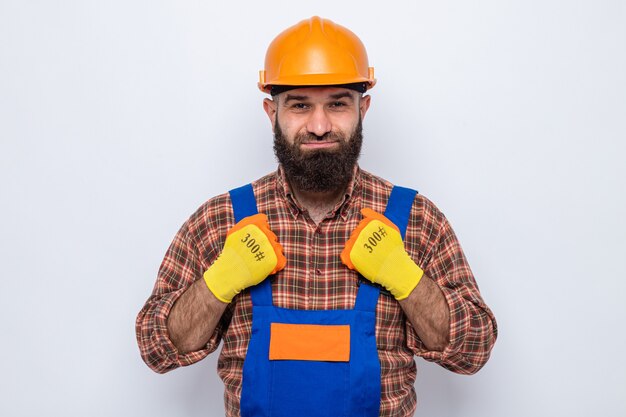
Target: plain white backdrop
x=119, y=118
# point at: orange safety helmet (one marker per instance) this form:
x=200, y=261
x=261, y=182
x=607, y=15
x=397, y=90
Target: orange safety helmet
x=316, y=51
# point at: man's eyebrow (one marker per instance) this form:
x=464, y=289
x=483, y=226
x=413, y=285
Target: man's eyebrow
x=295, y=97
x=343, y=94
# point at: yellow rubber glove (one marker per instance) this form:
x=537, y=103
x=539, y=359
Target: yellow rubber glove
x=251, y=253
x=376, y=250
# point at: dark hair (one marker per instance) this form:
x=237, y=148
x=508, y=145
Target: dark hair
x=277, y=89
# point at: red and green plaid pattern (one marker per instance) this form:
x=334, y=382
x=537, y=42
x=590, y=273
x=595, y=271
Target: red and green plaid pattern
x=315, y=279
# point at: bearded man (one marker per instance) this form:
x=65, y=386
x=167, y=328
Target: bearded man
x=322, y=280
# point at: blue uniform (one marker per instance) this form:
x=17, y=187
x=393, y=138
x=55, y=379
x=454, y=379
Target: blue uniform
x=313, y=376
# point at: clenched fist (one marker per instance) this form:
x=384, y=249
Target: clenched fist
x=251, y=253
x=376, y=250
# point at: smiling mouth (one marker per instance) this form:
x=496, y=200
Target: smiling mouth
x=319, y=145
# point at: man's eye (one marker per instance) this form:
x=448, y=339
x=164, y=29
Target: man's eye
x=299, y=106
x=338, y=104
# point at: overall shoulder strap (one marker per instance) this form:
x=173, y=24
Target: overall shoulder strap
x=244, y=205
x=399, y=207
x=398, y=211
x=243, y=201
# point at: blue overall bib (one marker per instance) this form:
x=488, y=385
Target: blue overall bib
x=278, y=381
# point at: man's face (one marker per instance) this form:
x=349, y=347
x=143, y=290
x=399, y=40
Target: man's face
x=318, y=135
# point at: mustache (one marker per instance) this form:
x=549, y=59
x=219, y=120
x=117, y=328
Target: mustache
x=306, y=137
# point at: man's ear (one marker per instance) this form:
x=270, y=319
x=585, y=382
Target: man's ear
x=270, y=106
x=364, y=104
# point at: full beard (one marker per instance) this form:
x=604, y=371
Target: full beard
x=318, y=170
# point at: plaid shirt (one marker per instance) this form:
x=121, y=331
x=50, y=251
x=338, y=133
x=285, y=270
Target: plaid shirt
x=315, y=279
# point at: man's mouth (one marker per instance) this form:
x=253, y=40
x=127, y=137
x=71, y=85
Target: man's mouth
x=319, y=144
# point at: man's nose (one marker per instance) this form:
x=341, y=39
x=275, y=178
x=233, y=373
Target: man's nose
x=319, y=123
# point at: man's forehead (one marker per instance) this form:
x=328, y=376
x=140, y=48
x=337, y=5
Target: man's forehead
x=325, y=92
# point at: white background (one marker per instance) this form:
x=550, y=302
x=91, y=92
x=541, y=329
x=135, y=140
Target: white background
x=119, y=118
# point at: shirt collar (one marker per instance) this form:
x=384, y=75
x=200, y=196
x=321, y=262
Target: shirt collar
x=343, y=206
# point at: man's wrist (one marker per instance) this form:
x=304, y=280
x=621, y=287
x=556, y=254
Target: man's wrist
x=403, y=275
x=216, y=287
